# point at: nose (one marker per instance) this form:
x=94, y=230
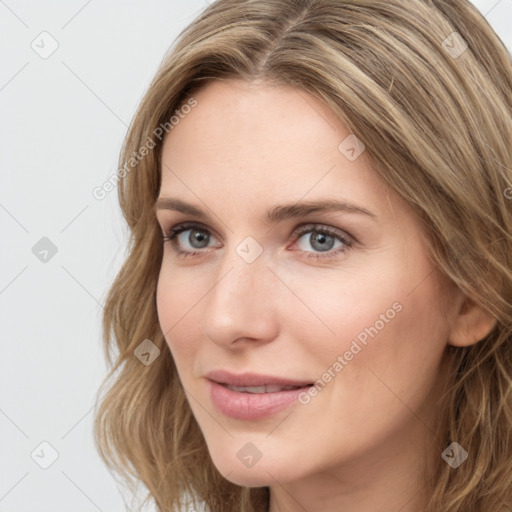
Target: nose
x=241, y=305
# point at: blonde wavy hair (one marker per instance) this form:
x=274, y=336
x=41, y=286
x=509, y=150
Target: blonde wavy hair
x=436, y=119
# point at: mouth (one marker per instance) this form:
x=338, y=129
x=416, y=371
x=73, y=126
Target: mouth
x=271, y=388
x=250, y=382
x=250, y=403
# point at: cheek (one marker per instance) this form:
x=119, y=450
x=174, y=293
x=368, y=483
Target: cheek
x=344, y=307
x=402, y=339
x=389, y=365
x=380, y=321
x=174, y=307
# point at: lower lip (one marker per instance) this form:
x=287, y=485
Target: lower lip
x=251, y=406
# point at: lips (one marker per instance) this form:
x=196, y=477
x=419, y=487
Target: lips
x=271, y=388
x=253, y=396
x=255, y=380
x=247, y=406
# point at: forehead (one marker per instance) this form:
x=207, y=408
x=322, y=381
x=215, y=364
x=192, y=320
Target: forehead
x=262, y=144
x=232, y=112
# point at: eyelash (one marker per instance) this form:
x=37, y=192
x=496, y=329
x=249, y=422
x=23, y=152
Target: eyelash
x=180, y=228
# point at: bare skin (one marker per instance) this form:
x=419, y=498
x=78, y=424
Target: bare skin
x=360, y=443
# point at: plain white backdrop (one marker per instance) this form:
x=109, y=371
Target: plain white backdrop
x=71, y=76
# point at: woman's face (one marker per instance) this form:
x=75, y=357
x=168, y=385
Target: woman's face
x=272, y=293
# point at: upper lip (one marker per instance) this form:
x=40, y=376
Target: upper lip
x=252, y=379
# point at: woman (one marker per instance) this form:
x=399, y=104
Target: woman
x=315, y=311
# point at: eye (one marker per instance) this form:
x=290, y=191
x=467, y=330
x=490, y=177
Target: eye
x=198, y=238
x=322, y=238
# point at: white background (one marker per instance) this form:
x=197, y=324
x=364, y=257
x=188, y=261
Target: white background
x=62, y=123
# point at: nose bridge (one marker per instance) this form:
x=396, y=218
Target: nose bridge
x=239, y=304
x=244, y=270
x=240, y=280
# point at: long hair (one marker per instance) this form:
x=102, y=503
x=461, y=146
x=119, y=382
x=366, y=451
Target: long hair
x=427, y=86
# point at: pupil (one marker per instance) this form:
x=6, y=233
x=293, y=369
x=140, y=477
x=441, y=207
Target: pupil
x=198, y=236
x=321, y=239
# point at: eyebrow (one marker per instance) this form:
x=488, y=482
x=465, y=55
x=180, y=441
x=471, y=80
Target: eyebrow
x=275, y=214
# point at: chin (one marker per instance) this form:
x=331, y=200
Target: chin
x=263, y=473
x=247, y=477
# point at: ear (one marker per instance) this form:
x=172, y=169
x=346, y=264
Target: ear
x=471, y=324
